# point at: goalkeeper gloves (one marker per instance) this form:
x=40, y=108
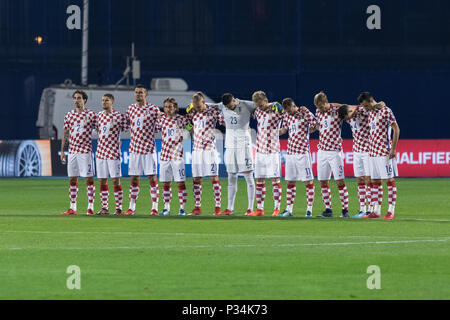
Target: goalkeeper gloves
x=277, y=108
x=189, y=108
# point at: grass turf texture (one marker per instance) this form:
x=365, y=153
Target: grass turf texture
x=207, y=257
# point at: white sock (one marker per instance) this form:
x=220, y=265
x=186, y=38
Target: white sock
x=290, y=208
x=90, y=205
x=133, y=205
x=73, y=206
x=309, y=208
x=232, y=189
x=391, y=209
x=363, y=208
x=167, y=206
x=251, y=189
x=155, y=205
x=377, y=209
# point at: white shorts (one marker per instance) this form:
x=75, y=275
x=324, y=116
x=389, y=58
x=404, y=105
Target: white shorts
x=361, y=164
x=108, y=168
x=205, y=163
x=80, y=165
x=328, y=162
x=239, y=159
x=298, y=167
x=382, y=167
x=142, y=163
x=172, y=169
x=267, y=165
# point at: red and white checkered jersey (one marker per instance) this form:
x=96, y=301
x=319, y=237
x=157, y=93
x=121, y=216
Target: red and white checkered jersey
x=360, y=129
x=298, y=126
x=330, y=126
x=267, y=137
x=142, y=122
x=204, y=125
x=80, y=126
x=380, y=131
x=172, y=136
x=109, y=126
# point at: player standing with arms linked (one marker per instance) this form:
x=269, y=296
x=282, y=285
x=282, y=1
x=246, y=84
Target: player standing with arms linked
x=142, y=118
x=330, y=158
x=171, y=159
x=358, y=119
x=78, y=127
x=205, y=159
x=382, y=153
x=109, y=125
x=238, y=147
x=298, y=121
x=267, y=160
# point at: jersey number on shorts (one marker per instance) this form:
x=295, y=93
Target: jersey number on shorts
x=308, y=172
x=388, y=169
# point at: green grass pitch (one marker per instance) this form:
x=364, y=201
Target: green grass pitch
x=207, y=257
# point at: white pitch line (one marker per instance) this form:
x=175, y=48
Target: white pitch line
x=239, y=245
x=200, y=234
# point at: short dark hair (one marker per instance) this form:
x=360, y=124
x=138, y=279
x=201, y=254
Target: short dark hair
x=140, y=86
x=227, y=98
x=342, y=111
x=364, y=96
x=109, y=95
x=83, y=94
x=287, y=102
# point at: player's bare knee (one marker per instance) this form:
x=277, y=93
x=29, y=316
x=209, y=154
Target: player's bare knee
x=103, y=182
x=340, y=183
x=324, y=183
x=73, y=179
x=197, y=179
x=135, y=179
x=214, y=178
x=116, y=181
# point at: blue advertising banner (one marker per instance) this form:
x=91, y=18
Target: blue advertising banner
x=187, y=149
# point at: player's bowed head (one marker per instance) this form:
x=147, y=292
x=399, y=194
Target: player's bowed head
x=347, y=112
x=260, y=100
x=198, y=102
x=367, y=101
x=229, y=101
x=321, y=102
